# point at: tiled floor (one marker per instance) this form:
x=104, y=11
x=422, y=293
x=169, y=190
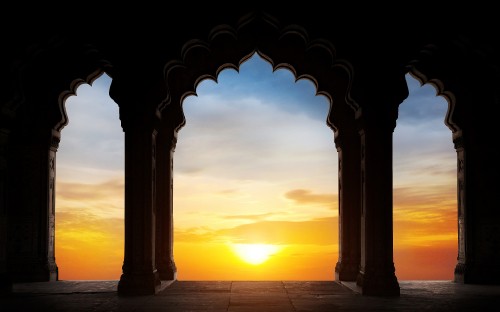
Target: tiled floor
x=239, y=296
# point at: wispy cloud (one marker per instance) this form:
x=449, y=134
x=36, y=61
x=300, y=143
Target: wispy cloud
x=423, y=106
x=432, y=196
x=307, y=197
x=93, y=137
x=88, y=246
x=250, y=139
x=254, y=217
x=103, y=199
x=321, y=231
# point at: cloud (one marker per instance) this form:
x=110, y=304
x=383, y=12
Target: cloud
x=306, y=197
x=253, y=217
x=228, y=191
x=246, y=127
x=423, y=105
x=432, y=196
x=320, y=231
x=423, y=147
x=78, y=191
x=425, y=216
x=425, y=140
x=88, y=246
x=82, y=220
x=103, y=199
x=93, y=137
x=435, y=262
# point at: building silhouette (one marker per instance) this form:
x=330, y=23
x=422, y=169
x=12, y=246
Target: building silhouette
x=157, y=58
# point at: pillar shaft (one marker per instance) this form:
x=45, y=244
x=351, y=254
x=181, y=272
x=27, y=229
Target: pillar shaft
x=166, y=142
x=349, y=175
x=377, y=273
x=31, y=217
x=140, y=276
x=462, y=260
x=5, y=280
x=478, y=216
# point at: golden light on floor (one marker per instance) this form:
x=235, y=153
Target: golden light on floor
x=255, y=253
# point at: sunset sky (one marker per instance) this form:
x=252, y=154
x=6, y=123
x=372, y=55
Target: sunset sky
x=255, y=169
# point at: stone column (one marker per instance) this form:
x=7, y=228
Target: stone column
x=377, y=273
x=460, y=268
x=140, y=276
x=31, y=225
x=349, y=175
x=478, y=214
x=472, y=92
x=5, y=281
x=166, y=141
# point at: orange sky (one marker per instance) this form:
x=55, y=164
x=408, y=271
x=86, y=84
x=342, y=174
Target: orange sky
x=283, y=193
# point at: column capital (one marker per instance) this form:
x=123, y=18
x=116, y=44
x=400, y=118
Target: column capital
x=380, y=119
x=134, y=119
x=140, y=100
x=345, y=136
x=378, y=92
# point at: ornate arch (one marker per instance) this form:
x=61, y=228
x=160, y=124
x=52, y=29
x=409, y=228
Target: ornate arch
x=61, y=67
x=426, y=69
x=286, y=47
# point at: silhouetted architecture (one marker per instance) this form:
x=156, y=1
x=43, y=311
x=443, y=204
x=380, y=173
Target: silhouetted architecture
x=156, y=60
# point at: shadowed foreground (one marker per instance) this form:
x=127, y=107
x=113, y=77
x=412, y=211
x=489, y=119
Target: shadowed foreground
x=250, y=296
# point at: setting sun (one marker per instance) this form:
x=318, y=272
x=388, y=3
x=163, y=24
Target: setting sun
x=255, y=253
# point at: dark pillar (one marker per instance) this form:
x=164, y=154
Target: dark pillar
x=140, y=276
x=31, y=225
x=478, y=214
x=461, y=269
x=473, y=96
x=166, y=142
x=5, y=281
x=377, y=273
x=472, y=119
x=349, y=174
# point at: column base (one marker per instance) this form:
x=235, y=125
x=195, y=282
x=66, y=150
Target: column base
x=5, y=284
x=345, y=271
x=460, y=273
x=167, y=270
x=485, y=274
x=377, y=284
x=22, y=271
x=131, y=284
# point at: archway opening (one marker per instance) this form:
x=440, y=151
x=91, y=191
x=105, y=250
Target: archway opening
x=425, y=188
x=89, y=187
x=219, y=212
x=255, y=179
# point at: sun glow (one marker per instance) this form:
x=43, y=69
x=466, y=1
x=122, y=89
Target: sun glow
x=255, y=253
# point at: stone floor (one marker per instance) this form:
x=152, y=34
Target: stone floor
x=257, y=296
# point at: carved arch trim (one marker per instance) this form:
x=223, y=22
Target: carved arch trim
x=287, y=47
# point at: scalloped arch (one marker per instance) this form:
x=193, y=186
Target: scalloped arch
x=426, y=69
x=68, y=65
x=91, y=77
x=440, y=91
x=283, y=47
